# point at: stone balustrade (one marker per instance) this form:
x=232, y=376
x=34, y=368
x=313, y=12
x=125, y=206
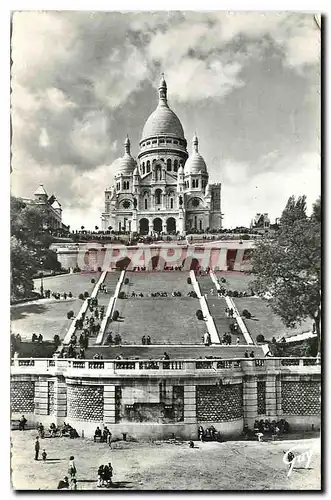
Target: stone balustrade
x=181, y=366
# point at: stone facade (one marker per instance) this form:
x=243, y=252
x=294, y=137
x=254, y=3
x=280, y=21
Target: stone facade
x=261, y=406
x=301, y=397
x=85, y=403
x=172, y=399
x=22, y=396
x=219, y=403
x=165, y=190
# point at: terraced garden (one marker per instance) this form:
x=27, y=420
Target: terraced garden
x=264, y=321
x=49, y=316
x=165, y=320
x=235, y=280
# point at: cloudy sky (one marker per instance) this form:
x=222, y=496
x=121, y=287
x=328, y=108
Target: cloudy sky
x=248, y=83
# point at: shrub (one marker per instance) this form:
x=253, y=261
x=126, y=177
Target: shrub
x=260, y=338
x=86, y=294
x=235, y=293
x=229, y=293
x=92, y=280
x=121, y=295
x=199, y=314
x=126, y=281
x=116, y=315
x=246, y=314
x=223, y=280
x=99, y=269
x=70, y=314
x=189, y=281
x=81, y=296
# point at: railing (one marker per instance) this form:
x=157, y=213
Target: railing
x=290, y=362
x=259, y=362
x=113, y=367
x=125, y=365
x=25, y=362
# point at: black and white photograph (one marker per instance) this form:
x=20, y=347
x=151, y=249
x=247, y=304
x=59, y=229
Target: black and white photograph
x=165, y=250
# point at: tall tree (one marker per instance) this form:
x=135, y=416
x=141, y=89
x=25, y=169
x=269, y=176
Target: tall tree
x=289, y=266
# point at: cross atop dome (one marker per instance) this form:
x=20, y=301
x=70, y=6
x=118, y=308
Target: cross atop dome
x=127, y=144
x=195, y=143
x=163, y=91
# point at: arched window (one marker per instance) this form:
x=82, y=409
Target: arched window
x=148, y=166
x=146, y=203
x=143, y=168
x=197, y=183
x=200, y=225
x=118, y=186
x=171, y=203
x=193, y=183
x=126, y=185
x=158, y=193
x=175, y=165
x=169, y=165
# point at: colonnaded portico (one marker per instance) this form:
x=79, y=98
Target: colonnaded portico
x=164, y=224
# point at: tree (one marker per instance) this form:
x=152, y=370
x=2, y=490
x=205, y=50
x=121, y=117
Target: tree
x=289, y=266
x=96, y=228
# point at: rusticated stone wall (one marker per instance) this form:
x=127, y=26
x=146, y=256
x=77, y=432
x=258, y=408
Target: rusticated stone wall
x=22, y=396
x=301, y=397
x=85, y=402
x=50, y=398
x=261, y=406
x=219, y=403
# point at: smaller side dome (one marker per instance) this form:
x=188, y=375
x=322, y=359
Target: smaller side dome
x=195, y=163
x=126, y=164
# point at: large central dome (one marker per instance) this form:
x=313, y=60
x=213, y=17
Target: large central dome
x=163, y=121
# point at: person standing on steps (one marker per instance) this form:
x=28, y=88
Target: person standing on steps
x=37, y=448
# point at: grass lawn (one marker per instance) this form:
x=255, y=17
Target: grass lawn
x=233, y=465
x=206, y=284
x=235, y=280
x=165, y=320
x=148, y=282
x=265, y=321
x=49, y=316
x=74, y=283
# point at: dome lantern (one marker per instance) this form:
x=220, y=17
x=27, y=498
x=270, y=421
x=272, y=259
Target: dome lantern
x=163, y=91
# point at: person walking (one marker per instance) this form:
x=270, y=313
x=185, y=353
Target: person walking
x=44, y=455
x=72, y=467
x=37, y=448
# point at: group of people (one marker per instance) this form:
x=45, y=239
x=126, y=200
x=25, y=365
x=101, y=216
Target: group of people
x=47, y=294
x=208, y=434
x=227, y=339
x=117, y=340
x=104, y=435
x=267, y=427
x=249, y=355
x=37, y=338
x=54, y=431
x=105, y=474
x=64, y=483
x=146, y=340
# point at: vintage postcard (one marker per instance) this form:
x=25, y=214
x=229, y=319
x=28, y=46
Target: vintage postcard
x=165, y=251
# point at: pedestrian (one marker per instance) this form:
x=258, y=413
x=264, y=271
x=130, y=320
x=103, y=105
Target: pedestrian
x=72, y=467
x=73, y=484
x=211, y=291
x=246, y=354
x=44, y=455
x=22, y=423
x=100, y=476
x=238, y=340
x=143, y=340
x=37, y=448
x=63, y=484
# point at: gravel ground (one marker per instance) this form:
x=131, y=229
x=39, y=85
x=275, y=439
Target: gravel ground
x=233, y=465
